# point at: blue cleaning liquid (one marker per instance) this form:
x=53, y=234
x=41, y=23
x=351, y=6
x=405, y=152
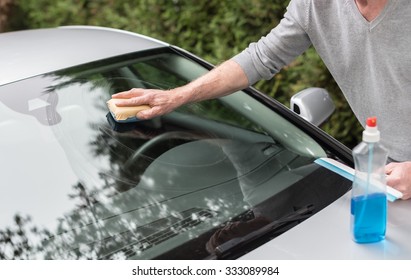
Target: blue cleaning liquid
x=369, y=217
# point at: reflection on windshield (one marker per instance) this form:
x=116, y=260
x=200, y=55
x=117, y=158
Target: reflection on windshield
x=174, y=185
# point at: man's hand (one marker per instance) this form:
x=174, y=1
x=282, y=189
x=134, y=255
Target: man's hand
x=160, y=101
x=399, y=177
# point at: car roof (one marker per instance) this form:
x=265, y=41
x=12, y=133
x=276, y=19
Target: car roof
x=29, y=53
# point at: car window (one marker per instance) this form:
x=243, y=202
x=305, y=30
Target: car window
x=89, y=187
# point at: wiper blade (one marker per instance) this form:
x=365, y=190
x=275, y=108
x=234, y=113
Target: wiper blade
x=231, y=246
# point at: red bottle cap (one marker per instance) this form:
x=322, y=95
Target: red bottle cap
x=372, y=121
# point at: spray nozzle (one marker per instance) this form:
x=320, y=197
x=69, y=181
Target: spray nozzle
x=371, y=134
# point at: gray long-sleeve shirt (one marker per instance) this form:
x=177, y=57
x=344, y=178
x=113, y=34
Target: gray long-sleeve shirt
x=370, y=61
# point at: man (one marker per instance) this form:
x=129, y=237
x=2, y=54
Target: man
x=364, y=44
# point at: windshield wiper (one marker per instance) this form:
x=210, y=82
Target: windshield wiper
x=281, y=225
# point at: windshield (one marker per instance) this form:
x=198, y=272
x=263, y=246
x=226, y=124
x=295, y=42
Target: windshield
x=78, y=185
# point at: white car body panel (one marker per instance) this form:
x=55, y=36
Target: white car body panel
x=52, y=43
x=326, y=235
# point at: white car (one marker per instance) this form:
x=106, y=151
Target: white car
x=227, y=178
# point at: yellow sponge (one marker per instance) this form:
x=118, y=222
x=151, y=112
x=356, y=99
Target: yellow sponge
x=124, y=114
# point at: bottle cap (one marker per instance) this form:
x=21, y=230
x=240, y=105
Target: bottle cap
x=371, y=134
x=372, y=121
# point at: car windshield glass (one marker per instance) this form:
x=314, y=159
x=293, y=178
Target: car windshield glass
x=77, y=184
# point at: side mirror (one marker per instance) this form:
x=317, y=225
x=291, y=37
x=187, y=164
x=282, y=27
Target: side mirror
x=313, y=104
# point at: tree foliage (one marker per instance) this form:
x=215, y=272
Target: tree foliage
x=213, y=29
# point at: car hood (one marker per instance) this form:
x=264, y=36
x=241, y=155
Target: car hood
x=327, y=236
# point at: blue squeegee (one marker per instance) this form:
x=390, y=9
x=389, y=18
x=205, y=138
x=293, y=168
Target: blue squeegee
x=348, y=173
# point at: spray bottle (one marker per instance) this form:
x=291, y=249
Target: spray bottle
x=368, y=201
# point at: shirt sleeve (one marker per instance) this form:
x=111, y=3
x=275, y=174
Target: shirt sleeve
x=265, y=58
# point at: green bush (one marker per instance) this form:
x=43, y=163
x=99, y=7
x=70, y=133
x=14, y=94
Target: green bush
x=213, y=29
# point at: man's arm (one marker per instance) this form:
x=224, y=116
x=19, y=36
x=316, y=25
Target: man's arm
x=222, y=80
x=261, y=60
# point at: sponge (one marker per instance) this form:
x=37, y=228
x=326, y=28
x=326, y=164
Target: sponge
x=124, y=114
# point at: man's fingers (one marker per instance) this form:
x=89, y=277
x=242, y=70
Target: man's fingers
x=128, y=93
x=133, y=101
x=128, y=102
x=150, y=113
x=390, y=167
x=392, y=181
